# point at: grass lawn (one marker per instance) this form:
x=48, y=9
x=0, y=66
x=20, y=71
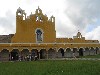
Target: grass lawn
x=91, y=56
x=52, y=67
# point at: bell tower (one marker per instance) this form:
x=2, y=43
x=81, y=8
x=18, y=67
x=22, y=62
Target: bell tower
x=35, y=28
x=20, y=16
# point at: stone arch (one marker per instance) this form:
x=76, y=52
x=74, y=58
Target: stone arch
x=60, y=53
x=81, y=51
x=92, y=51
x=68, y=53
x=25, y=54
x=15, y=54
x=97, y=50
x=87, y=51
x=75, y=52
x=43, y=54
x=51, y=53
x=34, y=52
x=4, y=55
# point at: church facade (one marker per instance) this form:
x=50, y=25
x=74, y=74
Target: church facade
x=36, y=36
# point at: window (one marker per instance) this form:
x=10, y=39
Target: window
x=37, y=18
x=39, y=35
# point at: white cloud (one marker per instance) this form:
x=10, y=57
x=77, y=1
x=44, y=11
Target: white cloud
x=95, y=34
x=83, y=13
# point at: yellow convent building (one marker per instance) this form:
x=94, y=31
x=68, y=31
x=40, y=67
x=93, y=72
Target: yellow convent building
x=36, y=36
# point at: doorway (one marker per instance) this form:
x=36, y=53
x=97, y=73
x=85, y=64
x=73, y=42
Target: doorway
x=42, y=53
x=14, y=54
x=81, y=52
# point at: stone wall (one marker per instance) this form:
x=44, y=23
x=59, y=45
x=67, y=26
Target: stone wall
x=6, y=38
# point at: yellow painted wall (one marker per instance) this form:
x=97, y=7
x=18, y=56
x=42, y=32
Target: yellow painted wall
x=26, y=29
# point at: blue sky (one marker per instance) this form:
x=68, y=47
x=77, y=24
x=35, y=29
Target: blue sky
x=93, y=26
x=70, y=15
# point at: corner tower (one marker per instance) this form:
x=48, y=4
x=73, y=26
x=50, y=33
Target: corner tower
x=35, y=28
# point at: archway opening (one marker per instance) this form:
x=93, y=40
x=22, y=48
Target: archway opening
x=5, y=55
x=97, y=50
x=15, y=55
x=51, y=53
x=69, y=53
x=34, y=53
x=75, y=52
x=25, y=55
x=61, y=52
x=81, y=52
x=43, y=53
x=92, y=51
x=87, y=51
